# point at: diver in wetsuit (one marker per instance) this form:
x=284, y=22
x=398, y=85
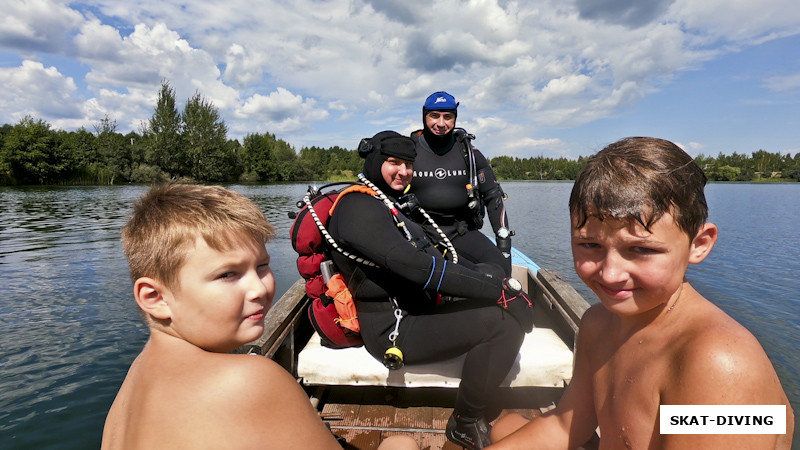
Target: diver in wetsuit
x=410, y=271
x=457, y=186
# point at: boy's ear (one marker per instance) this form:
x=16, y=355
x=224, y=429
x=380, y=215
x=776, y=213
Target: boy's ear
x=149, y=295
x=703, y=242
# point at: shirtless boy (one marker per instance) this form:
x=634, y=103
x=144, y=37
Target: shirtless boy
x=638, y=219
x=202, y=280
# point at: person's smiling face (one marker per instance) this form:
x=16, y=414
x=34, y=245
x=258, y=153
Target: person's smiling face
x=397, y=172
x=631, y=270
x=440, y=122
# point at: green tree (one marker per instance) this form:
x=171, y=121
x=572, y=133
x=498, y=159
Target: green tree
x=137, y=147
x=29, y=154
x=505, y=167
x=84, y=165
x=113, y=150
x=284, y=161
x=268, y=159
x=312, y=163
x=257, y=152
x=205, y=139
x=792, y=169
x=165, y=149
x=706, y=163
x=766, y=163
x=725, y=173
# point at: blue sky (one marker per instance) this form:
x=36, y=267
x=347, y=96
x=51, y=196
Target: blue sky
x=540, y=77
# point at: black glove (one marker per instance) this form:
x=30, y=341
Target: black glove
x=503, y=239
x=504, y=244
x=514, y=300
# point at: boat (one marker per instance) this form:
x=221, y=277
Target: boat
x=363, y=402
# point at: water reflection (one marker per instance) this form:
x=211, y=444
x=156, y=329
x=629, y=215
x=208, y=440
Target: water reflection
x=70, y=328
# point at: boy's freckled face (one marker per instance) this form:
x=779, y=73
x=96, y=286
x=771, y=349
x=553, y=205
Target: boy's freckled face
x=631, y=270
x=222, y=297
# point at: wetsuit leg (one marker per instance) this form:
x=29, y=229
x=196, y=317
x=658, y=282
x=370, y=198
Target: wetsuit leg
x=476, y=247
x=473, y=246
x=489, y=337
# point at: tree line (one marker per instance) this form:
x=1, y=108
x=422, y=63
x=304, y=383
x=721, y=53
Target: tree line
x=192, y=145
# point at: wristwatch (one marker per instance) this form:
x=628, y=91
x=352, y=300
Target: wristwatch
x=502, y=233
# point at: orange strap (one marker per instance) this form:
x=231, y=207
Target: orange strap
x=354, y=188
x=343, y=301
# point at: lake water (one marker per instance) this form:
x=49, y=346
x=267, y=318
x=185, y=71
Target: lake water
x=69, y=328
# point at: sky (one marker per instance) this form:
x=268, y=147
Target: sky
x=553, y=78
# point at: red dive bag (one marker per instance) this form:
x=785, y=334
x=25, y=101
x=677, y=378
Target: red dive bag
x=308, y=242
x=336, y=329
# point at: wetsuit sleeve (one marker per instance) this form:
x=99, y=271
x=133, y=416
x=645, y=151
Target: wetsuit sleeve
x=371, y=232
x=491, y=193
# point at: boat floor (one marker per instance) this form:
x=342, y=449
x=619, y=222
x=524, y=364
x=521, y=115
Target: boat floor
x=365, y=416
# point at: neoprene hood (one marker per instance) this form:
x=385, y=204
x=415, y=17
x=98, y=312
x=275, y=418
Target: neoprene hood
x=381, y=147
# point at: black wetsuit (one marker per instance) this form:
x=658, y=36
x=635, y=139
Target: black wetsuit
x=440, y=182
x=414, y=272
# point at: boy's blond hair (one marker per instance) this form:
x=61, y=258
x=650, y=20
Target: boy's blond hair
x=167, y=220
x=641, y=179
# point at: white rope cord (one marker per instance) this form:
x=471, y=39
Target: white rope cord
x=389, y=205
x=329, y=238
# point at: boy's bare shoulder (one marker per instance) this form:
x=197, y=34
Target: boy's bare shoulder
x=253, y=399
x=595, y=321
x=252, y=374
x=717, y=359
x=712, y=335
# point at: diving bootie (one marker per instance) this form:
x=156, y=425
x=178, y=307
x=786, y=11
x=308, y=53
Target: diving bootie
x=468, y=433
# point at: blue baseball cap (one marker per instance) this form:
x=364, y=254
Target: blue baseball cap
x=440, y=101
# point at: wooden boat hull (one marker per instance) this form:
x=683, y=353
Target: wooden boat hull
x=366, y=414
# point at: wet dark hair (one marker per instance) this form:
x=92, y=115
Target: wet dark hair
x=641, y=179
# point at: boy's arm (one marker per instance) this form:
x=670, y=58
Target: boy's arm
x=727, y=367
x=573, y=421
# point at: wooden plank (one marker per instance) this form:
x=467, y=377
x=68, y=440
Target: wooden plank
x=360, y=439
x=417, y=417
x=439, y=417
x=573, y=304
x=566, y=305
x=338, y=414
x=377, y=416
x=365, y=426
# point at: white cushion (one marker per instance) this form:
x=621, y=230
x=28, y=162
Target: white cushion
x=544, y=361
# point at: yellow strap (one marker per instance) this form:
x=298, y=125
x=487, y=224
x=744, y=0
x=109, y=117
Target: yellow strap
x=354, y=188
x=339, y=319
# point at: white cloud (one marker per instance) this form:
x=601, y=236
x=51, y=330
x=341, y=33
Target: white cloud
x=243, y=66
x=530, y=143
x=692, y=148
x=520, y=67
x=282, y=110
x=99, y=42
x=784, y=83
x=37, y=25
x=741, y=22
x=33, y=89
x=567, y=86
x=147, y=56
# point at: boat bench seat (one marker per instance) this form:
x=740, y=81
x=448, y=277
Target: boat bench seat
x=544, y=361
